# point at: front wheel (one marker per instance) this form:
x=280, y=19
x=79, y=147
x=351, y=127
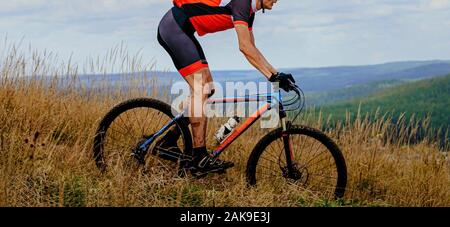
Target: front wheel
x=302, y=157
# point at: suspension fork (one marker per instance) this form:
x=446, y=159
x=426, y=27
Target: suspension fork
x=287, y=142
x=288, y=149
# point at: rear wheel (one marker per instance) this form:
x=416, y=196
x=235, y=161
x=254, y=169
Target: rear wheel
x=318, y=166
x=127, y=126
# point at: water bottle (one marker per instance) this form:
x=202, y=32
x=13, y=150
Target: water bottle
x=226, y=129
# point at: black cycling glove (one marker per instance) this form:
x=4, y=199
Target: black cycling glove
x=285, y=81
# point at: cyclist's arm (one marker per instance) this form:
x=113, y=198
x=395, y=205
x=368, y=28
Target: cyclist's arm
x=248, y=48
x=273, y=70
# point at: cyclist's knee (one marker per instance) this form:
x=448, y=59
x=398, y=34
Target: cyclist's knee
x=201, y=83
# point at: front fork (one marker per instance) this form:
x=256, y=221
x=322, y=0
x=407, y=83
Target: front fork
x=287, y=142
x=288, y=149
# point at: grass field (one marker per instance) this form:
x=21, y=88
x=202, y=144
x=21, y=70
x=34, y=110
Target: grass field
x=47, y=128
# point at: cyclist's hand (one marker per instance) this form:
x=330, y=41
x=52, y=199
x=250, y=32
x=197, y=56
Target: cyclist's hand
x=285, y=81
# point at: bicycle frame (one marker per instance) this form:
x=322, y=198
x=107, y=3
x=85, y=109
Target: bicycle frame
x=241, y=129
x=249, y=122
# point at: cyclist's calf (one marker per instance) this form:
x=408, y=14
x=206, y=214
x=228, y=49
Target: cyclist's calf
x=201, y=88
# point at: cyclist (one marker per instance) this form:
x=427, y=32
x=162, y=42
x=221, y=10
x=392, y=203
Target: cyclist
x=176, y=34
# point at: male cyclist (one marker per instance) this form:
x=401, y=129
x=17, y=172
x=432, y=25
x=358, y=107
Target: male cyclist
x=176, y=34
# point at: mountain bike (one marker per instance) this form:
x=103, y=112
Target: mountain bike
x=294, y=154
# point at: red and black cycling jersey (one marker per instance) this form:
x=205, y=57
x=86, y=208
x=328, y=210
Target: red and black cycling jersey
x=209, y=16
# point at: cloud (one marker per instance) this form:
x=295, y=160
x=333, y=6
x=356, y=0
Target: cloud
x=439, y=4
x=83, y=6
x=108, y=17
x=20, y=5
x=315, y=32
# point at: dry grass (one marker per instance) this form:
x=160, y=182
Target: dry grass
x=47, y=126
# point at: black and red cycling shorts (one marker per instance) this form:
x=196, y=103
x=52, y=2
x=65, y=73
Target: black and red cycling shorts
x=176, y=35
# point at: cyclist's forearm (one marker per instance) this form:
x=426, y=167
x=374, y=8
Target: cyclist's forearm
x=257, y=60
x=268, y=65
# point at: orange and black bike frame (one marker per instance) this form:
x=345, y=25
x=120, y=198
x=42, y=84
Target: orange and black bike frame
x=269, y=105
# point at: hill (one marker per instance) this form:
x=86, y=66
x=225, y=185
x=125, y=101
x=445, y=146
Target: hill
x=325, y=79
x=334, y=78
x=430, y=97
x=352, y=92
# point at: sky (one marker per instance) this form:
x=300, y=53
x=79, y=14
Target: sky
x=296, y=33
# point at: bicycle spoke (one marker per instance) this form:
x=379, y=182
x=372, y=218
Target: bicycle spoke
x=119, y=131
x=128, y=128
x=301, y=149
x=277, y=157
x=145, y=121
x=270, y=160
x=311, y=147
x=140, y=124
x=125, y=138
x=133, y=124
x=320, y=161
x=269, y=168
x=279, y=146
x=317, y=156
x=159, y=121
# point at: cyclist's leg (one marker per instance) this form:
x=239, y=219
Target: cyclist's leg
x=176, y=35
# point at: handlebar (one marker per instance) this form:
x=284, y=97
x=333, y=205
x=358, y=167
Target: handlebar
x=297, y=102
x=295, y=88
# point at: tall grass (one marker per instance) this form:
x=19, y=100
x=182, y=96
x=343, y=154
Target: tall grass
x=48, y=117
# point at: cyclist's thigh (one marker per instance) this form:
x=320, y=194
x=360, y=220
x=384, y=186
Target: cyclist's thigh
x=183, y=47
